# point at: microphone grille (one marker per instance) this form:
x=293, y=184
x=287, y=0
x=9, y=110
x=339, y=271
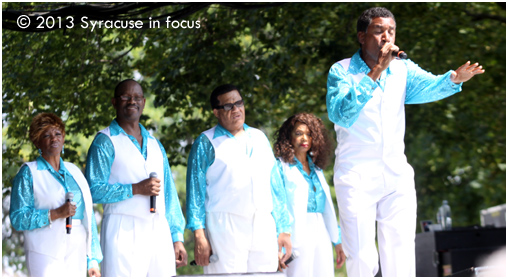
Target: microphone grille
x=153, y=175
x=214, y=258
x=69, y=196
x=296, y=254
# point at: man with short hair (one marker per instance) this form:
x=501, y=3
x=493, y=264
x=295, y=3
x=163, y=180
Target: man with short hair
x=135, y=241
x=373, y=181
x=232, y=208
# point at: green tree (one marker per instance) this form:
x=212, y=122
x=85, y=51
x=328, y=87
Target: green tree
x=279, y=55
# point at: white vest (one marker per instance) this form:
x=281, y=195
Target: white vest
x=297, y=196
x=129, y=167
x=50, y=194
x=376, y=139
x=238, y=182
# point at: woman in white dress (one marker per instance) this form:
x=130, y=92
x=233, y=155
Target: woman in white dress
x=303, y=149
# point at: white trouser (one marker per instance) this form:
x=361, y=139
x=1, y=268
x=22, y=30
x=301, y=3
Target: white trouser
x=72, y=265
x=242, y=244
x=391, y=201
x=315, y=257
x=137, y=247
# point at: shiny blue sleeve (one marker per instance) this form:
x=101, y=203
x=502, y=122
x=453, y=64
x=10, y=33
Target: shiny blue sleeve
x=174, y=213
x=280, y=213
x=96, y=257
x=345, y=98
x=424, y=87
x=202, y=155
x=340, y=238
x=24, y=216
x=101, y=155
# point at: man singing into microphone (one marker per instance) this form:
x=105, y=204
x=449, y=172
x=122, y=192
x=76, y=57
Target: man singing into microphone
x=373, y=181
x=135, y=242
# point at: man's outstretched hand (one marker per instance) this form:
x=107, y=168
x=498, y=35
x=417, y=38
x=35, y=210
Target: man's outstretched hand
x=466, y=72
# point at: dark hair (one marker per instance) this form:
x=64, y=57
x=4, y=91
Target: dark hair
x=365, y=19
x=41, y=122
x=321, y=144
x=120, y=85
x=219, y=90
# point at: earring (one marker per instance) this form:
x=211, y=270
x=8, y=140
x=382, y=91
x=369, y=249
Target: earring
x=63, y=149
x=311, y=153
x=40, y=151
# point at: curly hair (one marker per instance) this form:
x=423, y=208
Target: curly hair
x=321, y=145
x=41, y=122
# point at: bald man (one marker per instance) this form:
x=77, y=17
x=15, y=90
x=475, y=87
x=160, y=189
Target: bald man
x=135, y=241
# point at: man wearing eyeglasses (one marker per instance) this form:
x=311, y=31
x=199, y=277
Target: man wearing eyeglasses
x=135, y=241
x=232, y=209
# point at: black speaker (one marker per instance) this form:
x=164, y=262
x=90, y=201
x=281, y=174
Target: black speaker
x=444, y=253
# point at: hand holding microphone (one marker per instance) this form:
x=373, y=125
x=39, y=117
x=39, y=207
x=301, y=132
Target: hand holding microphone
x=394, y=50
x=283, y=265
x=386, y=55
x=67, y=210
x=294, y=255
x=68, y=221
x=148, y=187
x=213, y=258
x=153, y=198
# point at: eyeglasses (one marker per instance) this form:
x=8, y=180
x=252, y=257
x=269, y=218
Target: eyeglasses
x=228, y=107
x=136, y=99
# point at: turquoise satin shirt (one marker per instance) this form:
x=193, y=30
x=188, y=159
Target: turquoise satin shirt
x=201, y=157
x=98, y=168
x=345, y=98
x=317, y=199
x=25, y=217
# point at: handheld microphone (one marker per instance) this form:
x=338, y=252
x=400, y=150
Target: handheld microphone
x=213, y=258
x=294, y=255
x=68, y=221
x=152, y=198
x=400, y=54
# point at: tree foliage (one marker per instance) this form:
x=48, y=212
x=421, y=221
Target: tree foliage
x=279, y=57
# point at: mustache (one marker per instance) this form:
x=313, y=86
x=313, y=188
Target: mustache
x=133, y=105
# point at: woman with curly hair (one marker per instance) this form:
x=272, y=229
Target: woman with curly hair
x=39, y=208
x=303, y=149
